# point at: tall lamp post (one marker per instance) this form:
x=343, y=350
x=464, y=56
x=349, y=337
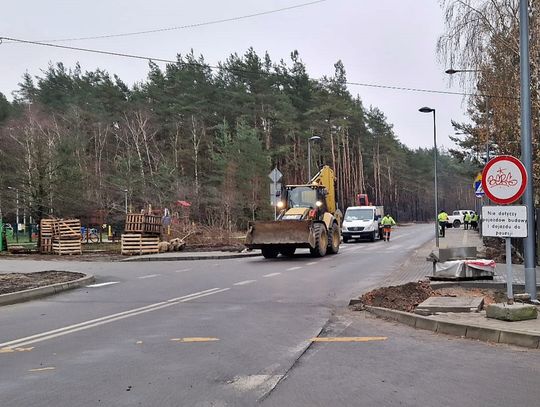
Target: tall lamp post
x=16, y=212
x=314, y=138
x=426, y=109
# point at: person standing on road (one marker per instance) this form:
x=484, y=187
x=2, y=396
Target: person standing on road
x=387, y=222
x=466, y=220
x=474, y=221
x=443, y=220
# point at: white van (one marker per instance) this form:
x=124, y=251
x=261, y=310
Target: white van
x=362, y=222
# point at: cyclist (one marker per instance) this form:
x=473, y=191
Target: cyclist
x=387, y=222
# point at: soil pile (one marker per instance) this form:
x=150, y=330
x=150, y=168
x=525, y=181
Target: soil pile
x=13, y=282
x=403, y=297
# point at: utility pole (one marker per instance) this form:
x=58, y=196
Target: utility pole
x=529, y=252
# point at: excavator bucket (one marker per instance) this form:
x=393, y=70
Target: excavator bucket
x=298, y=233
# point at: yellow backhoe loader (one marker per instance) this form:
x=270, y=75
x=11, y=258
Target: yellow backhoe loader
x=308, y=218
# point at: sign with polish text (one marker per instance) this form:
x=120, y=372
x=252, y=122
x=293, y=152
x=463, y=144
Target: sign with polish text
x=504, y=221
x=504, y=179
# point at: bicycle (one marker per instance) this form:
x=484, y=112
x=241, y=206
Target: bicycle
x=89, y=235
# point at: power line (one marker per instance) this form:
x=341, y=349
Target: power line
x=181, y=27
x=239, y=70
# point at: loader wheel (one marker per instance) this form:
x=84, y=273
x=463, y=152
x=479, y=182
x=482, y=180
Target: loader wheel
x=333, y=239
x=269, y=252
x=288, y=251
x=321, y=241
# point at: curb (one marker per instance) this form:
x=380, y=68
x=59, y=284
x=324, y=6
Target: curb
x=32, y=293
x=202, y=257
x=476, y=332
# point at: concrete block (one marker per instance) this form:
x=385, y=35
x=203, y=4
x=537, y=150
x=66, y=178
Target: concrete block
x=520, y=339
x=514, y=312
x=426, y=323
x=450, y=328
x=483, y=334
x=450, y=304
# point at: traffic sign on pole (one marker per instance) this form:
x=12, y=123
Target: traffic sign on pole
x=504, y=179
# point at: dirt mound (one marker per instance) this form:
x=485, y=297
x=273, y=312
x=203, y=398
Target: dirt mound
x=403, y=297
x=13, y=282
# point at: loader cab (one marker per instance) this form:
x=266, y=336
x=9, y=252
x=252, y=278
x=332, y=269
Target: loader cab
x=302, y=200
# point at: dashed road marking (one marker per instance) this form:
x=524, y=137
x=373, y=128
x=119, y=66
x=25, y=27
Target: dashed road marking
x=195, y=339
x=42, y=369
x=11, y=350
x=102, y=284
x=245, y=282
x=272, y=275
x=148, y=276
x=293, y=268
x=182, y=271
x=350, y=339
x=311, y=263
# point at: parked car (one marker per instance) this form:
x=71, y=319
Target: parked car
x=455, y=220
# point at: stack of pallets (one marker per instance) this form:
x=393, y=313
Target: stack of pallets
x=67, y=236
x=141, y=235
x=46, y=236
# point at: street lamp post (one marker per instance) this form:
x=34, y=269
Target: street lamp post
x=314, y=138
x=126, y=200
x=430, y=110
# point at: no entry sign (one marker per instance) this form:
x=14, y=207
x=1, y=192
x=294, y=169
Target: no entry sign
x=504, y=179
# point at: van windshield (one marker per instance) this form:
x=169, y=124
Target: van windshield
x=359, y=214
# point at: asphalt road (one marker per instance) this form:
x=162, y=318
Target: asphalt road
x=238, y=332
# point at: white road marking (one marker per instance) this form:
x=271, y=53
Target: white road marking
x=102, y=284
x=259, y=384
x=245, y=282
x=311, y=263
x=148, y=276
x=108, y=319
x=272, y=275
x=293, y=268
x=181, y=271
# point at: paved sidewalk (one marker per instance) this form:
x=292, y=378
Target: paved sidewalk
x=417, y=268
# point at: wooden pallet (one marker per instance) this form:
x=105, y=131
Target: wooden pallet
x=46, y=235
x=67, y=247
x=65, y=229
x=143, y=224
x=137, y=244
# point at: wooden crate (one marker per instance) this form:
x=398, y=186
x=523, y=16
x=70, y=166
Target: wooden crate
x=137, y=244
x=65, y=229
x=143, y=224
x=45, y=245
x=67, y=247
x=46, y=235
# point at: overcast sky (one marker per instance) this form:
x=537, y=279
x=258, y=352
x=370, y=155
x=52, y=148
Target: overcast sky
x=387, y=42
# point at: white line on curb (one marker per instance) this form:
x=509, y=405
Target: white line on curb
x=272, y=275
x=245, y=282
x=102, y=284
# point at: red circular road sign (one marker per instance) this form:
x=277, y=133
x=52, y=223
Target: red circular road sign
x=504, y=179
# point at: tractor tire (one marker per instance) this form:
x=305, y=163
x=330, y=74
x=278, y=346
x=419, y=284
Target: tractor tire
x=288, y=251
x=333, y=239
x=269, y=252
x=321, y=241
x=456, y=224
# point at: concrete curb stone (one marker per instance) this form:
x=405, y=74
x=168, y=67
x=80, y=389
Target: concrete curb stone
x=32, y=293
x=462, y=330
x=195, y=257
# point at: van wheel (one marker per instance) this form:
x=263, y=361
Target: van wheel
x=321, y=241
x=372, y=236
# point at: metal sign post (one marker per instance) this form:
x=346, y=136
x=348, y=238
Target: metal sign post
x=275, y=188
x=504, y=180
